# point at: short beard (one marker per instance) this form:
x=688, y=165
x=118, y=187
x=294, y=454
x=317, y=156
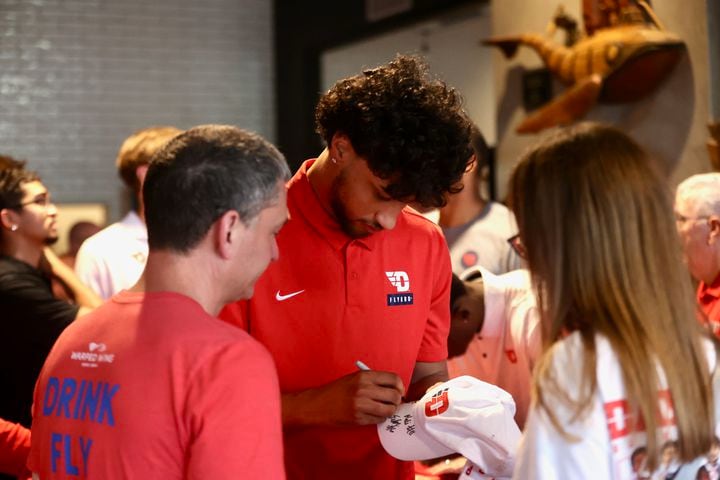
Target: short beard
x=338, y=208
x=51, y=240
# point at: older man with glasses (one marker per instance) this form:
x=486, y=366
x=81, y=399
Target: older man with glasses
x=32, y=318
x=697, y=218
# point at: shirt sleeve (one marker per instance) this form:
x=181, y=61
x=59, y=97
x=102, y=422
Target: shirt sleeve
x=584, y=452
x=234, y=416
x=14, y=448
x=434, y=343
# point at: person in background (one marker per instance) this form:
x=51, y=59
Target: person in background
x=495, y=332
x=14, y=438
x=32, y=317
x=114, y=258
x=78, y=233
x=697, y=218
x=477, y=230
x=362, y=277
x=152, y=385
x=626, y=364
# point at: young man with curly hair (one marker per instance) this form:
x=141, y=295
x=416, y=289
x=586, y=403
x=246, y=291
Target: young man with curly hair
x=362, y=277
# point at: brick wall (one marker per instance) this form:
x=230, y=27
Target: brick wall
x=78, y=76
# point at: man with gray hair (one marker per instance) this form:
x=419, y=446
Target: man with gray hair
x=153, y=385
x=697, y=217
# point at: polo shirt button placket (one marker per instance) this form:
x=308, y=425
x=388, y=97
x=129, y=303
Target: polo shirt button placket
x=353, y=261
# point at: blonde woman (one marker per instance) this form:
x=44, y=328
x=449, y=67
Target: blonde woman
x=624, y=354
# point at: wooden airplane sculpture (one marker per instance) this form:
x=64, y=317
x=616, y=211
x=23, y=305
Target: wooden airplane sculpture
x=622, y=63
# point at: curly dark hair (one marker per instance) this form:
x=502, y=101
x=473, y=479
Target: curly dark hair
x=410, y=129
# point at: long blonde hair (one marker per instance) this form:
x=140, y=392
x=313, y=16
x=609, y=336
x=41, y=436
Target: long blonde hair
x=595, y=216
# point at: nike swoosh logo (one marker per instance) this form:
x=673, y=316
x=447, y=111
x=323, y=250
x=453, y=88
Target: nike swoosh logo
x=281, y=298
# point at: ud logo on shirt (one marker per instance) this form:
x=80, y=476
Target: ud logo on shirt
x=401, y=282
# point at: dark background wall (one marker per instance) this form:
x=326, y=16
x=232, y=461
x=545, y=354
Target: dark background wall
x=302, y=31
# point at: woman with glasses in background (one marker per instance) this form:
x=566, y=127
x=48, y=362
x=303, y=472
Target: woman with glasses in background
x=626, y=367
x=31, y=317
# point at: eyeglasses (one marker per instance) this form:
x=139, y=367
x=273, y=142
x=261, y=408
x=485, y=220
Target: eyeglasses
x=42, y=200
x=518, y=246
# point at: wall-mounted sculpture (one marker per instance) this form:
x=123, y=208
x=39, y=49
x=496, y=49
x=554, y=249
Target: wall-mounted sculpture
x=627, y=56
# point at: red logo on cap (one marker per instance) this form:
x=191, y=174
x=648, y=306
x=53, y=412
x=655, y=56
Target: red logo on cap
x=439, y=403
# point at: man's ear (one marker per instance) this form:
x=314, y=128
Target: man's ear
x=8, y=218
x=229, y=230
x=340, y=147
x=140, y=173
x=714, y=234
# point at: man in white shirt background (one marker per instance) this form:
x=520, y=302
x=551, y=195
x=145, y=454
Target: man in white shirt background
x=114, y=258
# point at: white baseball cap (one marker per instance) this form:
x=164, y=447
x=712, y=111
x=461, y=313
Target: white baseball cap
x=463, y=415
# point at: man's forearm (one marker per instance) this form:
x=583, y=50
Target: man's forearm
x=425, y=376
x=84, y=297
x=295, y=411
x=360, y=398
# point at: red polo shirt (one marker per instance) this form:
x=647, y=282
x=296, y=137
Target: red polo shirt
x=708, y=297
x=331, y=300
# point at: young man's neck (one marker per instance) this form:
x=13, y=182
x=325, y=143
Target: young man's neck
x=28, y=253
x=140, y=210
x=321, y=176
x=712, y=279
x=461, y=209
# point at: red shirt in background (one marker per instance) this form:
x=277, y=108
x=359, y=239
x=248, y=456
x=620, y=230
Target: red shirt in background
x=709, y=299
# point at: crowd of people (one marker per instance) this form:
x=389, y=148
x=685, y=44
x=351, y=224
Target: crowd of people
x=244, y=322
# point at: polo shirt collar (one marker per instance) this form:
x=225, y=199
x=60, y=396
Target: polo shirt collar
x=708, y=293
x=303, y=199
x=135, y=225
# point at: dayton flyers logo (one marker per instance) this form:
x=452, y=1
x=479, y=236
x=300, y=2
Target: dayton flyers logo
x=438, y=403
x=399, y=280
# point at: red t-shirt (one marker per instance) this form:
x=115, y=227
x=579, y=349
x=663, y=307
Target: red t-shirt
x=331, y=300
x=708, y=297
x=151, y=386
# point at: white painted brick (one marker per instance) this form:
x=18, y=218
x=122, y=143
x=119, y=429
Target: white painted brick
x=78, y=76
